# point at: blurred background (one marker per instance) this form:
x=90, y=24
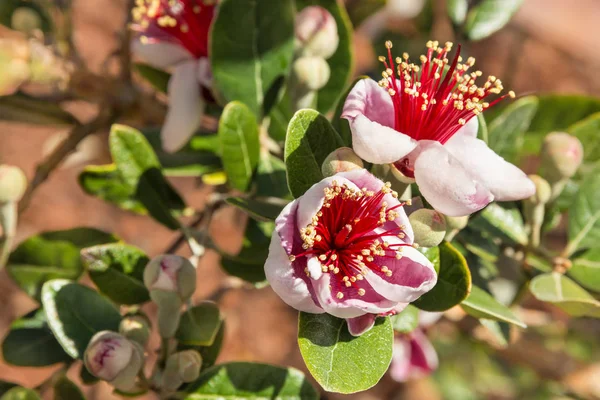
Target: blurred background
x=550, y=46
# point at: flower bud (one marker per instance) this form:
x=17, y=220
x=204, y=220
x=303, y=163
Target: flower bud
x=136, y=327
x=26, y=20
x=316, y=32
x=543, y=192
x=341, y=160
x=312, y=72
x=456, y=223
x=429, y=227
x=182, y=367
x=115, y=359
x=172, y=274
x=405, y=8
x=13, y=183
x=562, y=155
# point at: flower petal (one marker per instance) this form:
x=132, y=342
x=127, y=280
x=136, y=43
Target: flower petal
x=280, y=273
x=400, y=367
x=359, y=325
x=186, y=107
x=412, y=276
x=285, y=226
x=470, y=129
x=446, y=184
x=423, y=357
x=161, y=54
x=369, y=99
x=504, y=180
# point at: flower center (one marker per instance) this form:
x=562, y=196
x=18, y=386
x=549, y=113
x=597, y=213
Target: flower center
x=432, y=101
x=185, y=22
x=351, y=234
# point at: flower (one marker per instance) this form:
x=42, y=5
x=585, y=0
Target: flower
x=174, y=34
x=424, y=123
x=172, y=274
x=414, y=356
x=316, y=32
x=345, y=248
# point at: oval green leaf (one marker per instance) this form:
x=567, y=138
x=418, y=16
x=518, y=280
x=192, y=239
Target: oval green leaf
x=501, y=221
x=586, y=269
x=199, y=325
x=481, y=304
x=407, y=320
x=566, y=294
x=489, y=16
x=457, y=10
x=584, y=215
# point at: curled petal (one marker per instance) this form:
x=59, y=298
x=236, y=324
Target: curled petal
x=379, y=144
x=446, y=184
x=161, y=54
x=367, y=98
x=285, y=226
x=423, y=358
x=359, y=325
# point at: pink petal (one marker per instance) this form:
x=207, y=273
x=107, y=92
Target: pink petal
x=285, y=226
x=423, y=357
x=400, y=367
x=446, y=184
x=280, y=273
x=504, y=180
x=359, y=325
x=412, y=276
x=186, y=107
x=160, y=54
x=369, y=99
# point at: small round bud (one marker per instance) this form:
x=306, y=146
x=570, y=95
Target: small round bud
x=405, y=8
x=113, y=358
x=172, y=274
x=429, y=227
x=135, y=327
x=312, y=72
x=341, y=160
x=316, y=32
x=182, y=367
x=13, y=183
x=456, y=223
x=26, y=20
x=562, y=155
x=543, y=191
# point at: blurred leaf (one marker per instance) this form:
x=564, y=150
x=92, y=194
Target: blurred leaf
x=588, y=131
x=51, y=255
x=20, y=393
x=505, y=223
x=500, y=331
x=310, y=139
x=86, y=377
x=240, y=146
x=22, y=108
x=340, y=362
x=243, y=380
x=481, y=304
x=457, y=10
x=271, y=180
x=507, y=130
x=65, y=389
x=30, y=343
x=260, y=210
x=584, y=215
x=199, y=325
x=489, y=16
x=453, y=285
x=586, y=269
x=360, y=10
x=341, y=62
x=159, y=79
x=407, y=320
x=566, y=294
x=482, y=129
x=280, y=117
x=75, y=313
x=117, y=269
x=6, y=386
x=340, y=124
x=249, y=63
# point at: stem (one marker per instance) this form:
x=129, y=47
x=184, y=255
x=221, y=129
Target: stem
x=8, y=222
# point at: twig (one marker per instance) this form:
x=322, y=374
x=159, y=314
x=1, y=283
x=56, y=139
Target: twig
x=182, y=238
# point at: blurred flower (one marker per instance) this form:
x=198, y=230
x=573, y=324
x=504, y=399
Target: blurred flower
x=425, y=124
x=562, y=154
x=13, y=183
x=345, y=248
x=174, y=34
x=316, y=32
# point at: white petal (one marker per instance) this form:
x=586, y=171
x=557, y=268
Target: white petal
x=379, y=144
x=162, y=54
x=359, y=325
x=468, y=130
x=369, y=99
x=446, y=184
x=205, y=76
x=186, y=107
x=504, y=180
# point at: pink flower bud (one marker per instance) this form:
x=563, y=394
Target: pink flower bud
x=12, y=184
x=562, y=155
x=171, y=273
x=341, y=160
x=316, y=32
x=429, y=227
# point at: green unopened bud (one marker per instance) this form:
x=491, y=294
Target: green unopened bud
x=115, y=359
x=26, y=20
x=316, y=32
x=543, y=192
x=182, y=367
x=454, y=225
x=136, y=327
x=13, y=183
x=312, y=72
x=562, y=155
x=341, y=160
x=429, y=227
x=171, y=273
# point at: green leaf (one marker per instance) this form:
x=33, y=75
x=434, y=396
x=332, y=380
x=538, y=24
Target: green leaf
x=249, y=263
x=505, y=223
x=566, y=294
x=340, y=362
x=106, y=183
x=453, y=285
x=75, y=313
x=211, y=353
x=117, y=270
x=457, y=10
x=20, y=393
x=360, y=10
x=500, y=331
x=159, y=79
x=242, y=380
x=86, y=376
x=587, y=131
x=407, y=320
x=341, y=62
x=65, y=389
x=483, y=132
x=22, y=108
x=6, y=386
x=507, y=130
x=199, y=325
x=584, y=215
x=240, y=147
x=310, y=139
x=260, y=210
x=30, y=343
x=433, y=255
x=481, y=304
x=489, y=16
x=51, y=255
x=249, y=63
x=586, y=269
x=271, y=180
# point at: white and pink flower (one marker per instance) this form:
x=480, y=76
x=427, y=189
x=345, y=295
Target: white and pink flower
x=173, y=34
x=345, y=248
x=423, y=121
